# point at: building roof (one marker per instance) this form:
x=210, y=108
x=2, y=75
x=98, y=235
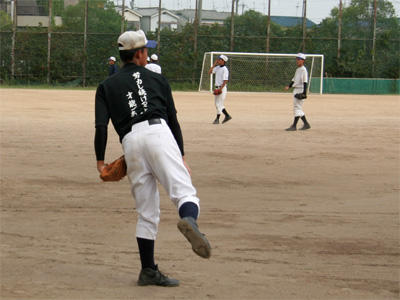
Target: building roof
x=206, y=15
x=287, y=21
x=152, y=11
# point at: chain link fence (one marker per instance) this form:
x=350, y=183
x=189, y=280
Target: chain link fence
x=73, y=48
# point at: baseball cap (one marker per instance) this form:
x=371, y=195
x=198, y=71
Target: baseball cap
x=223, y=57
x=112, y=58
x=131, y=40
x=301, y=56
x=154, y=57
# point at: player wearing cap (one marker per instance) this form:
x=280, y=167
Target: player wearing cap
x=153, y=65
x=221, y=79
x=112, y=66
x=299, y=83
x=141, y=108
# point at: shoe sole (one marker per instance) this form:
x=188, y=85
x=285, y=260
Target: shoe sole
x=199, y=245
x=139, y=283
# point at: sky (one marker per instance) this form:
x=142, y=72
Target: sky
x=317, y=10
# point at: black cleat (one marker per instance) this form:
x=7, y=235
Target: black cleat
x=291, y=128
x=226, y=119
x=216, y=121
x=305, y=127
x=149, y=276
x=200, y=245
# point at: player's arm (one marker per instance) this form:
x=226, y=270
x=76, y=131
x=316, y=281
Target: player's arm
x=173, y=123
x=289, y=85
x=101, y=123
x=223, y=84
x=305, y=84
x=212, y=68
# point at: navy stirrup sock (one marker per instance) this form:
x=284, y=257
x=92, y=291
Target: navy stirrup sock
x=189, y=209
x=146, y=251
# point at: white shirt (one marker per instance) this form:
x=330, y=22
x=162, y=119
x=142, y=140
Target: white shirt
x=221, y=74
x=300, y=77
x=153, y=67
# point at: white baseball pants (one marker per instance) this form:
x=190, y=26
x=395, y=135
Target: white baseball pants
x=219, y=100
x=297, y=104
x=152, y=154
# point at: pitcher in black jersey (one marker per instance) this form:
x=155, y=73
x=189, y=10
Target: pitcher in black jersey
x=141, y=108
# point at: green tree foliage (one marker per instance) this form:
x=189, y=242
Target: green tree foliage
x=5, y=21
x=177, y=55
x=357, y=36
x=104, y=24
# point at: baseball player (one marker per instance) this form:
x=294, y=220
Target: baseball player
x=153, y=65
x=141, y=108
x=299, y=83
x=112, y=69
x=221, y=79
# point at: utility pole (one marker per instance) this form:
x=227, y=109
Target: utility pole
x=237, y=7
x=374, y=40
x=14, y=31
x=49, y=40
x=123, y=17
x=199, y=11
x=85, y=43
x=339, y=29
x=232, y=25
x=159, y=28
x=304, y=24
x=195, y=29
x=268, y=25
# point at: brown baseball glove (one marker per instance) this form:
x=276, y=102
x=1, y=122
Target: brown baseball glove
x=217, y=91
x=114, y=171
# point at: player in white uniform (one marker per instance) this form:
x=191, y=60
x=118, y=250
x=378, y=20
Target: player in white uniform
x=153, y=66
x=299, y=83
x=221, y=79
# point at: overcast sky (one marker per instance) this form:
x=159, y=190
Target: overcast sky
x=317, y=10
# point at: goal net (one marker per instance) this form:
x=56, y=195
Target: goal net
x=262, y=72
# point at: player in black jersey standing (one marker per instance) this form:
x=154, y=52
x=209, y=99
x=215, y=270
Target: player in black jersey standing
x=141, y=108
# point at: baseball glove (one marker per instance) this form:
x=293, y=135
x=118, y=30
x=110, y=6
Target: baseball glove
x=300, y=96
x=114, y=171
x=217, y=91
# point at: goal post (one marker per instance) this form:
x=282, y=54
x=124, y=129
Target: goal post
x=262, y=72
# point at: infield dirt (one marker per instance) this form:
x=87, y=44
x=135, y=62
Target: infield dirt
x=290, y=215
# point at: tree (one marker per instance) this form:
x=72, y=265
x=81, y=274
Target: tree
x=357, y=26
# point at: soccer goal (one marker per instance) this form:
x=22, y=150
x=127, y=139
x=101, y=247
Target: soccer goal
x=262, y=72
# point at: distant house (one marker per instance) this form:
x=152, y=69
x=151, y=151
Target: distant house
x=30, y=14
x=149, y=19
x=132, y=18
x=208, y=17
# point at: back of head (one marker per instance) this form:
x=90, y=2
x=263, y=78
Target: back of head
x=131, y=41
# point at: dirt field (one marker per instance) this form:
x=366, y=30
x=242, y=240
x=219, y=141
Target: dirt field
x=290, y=215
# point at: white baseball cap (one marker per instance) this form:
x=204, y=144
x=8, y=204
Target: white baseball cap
x=112, y=58
x=301, y=56
x=131, y=40
x=223, y=57
x=154, y=57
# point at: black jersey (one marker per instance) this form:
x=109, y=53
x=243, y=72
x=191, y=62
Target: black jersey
x=133, y=95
